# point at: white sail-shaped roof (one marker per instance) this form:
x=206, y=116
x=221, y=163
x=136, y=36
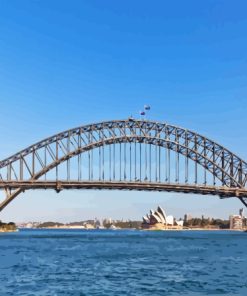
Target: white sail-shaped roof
x=154, y=216
x=157, y=218
x=162, y=212
x=145, y=219
x=161, y=217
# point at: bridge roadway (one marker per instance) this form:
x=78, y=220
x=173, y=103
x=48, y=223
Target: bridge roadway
x=221, y=191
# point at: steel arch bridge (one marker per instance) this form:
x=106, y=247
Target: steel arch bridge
x=126, y=154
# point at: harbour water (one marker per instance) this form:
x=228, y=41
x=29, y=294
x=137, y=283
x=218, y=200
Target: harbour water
x=123, y=262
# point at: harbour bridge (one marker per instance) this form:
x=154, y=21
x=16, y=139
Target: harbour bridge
x=128, y=155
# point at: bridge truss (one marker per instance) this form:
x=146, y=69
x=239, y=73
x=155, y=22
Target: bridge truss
x=126, y=154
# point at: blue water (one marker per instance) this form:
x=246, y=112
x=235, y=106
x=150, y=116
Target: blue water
x=120, y=262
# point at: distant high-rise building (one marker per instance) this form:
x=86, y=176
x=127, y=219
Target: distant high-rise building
x=236, y=222
x=187, y=217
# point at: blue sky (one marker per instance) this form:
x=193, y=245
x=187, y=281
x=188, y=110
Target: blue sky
x=67, y=63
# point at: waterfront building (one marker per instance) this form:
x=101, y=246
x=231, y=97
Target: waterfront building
x=237, y=221
x=28, y=224
x=180, y=223
x=107, y=221
x=159, y=220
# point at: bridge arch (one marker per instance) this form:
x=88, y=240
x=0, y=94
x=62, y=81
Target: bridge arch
x=24, y=169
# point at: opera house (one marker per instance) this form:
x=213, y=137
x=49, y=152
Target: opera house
x=160, y=221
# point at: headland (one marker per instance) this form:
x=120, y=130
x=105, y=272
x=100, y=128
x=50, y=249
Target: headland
x=7, y=227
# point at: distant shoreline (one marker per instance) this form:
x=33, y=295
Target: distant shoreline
x=7, y=231
x=141, y=229
x=195, y=229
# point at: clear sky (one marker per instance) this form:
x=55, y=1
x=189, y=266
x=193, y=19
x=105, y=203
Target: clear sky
x=67, y=63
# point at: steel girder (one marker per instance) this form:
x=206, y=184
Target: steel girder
x=36, y=160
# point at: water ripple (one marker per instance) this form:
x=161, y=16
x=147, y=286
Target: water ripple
x=77, y=262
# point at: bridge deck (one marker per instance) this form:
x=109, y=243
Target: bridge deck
x=221, y=191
